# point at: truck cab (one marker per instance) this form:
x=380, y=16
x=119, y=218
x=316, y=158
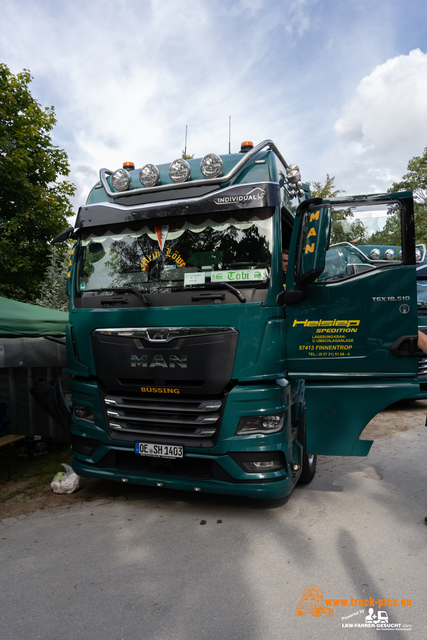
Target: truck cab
x=197, y=363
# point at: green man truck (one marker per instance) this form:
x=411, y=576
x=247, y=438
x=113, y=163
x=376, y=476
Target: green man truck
x=197, y=363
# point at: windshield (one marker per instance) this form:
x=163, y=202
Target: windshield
x=174, y=253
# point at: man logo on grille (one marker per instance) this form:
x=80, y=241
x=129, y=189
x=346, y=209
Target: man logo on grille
x=159, y=361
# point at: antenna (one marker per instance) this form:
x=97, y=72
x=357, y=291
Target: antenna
x=185, y=146
x=229, y=134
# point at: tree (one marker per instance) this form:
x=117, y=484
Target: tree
x=34, y=197
x=52, y=292
x=416, y=181
x=326, y=190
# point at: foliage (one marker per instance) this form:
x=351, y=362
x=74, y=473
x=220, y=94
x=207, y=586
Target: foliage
x=416, y=181
x=34, y=199
x=344, y=229
x=326, y=190
x=185, y=156
x=52, y=292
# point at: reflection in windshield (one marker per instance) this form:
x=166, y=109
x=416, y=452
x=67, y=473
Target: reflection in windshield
x=363, y=237
x=422, y=294
x=159, y=255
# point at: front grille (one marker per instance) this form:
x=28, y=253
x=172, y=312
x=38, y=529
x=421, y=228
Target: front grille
x=422, y=367
x=135, y=416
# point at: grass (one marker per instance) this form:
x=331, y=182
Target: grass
x=33, y=475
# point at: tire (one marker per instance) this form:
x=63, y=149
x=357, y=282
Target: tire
x=308, y=460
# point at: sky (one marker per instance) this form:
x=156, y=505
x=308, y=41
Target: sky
x=340, y=86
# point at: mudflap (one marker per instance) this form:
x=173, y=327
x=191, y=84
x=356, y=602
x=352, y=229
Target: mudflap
x=337, y=412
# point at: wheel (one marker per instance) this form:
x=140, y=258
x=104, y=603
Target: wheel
x=308, y=460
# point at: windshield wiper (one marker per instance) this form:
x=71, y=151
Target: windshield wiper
x=134, y=290
x=222, y=285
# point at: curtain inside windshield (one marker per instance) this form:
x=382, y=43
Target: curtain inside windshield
x=170, y=253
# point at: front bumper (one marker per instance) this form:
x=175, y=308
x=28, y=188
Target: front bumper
x=261, y=489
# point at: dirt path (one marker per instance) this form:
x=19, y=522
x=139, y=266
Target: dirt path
x=400, y=417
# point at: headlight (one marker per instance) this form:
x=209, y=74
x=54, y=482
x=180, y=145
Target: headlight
x=211, y=166
x=149, y=175
x=179, y=170
x=260, y=424
x=83, y=413
x=389, y=254
x=375, y=254
x=120, y=180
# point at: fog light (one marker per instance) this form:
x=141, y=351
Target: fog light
x=83, y=413
x=418, y=255
x=261, y=424
x=262, y=466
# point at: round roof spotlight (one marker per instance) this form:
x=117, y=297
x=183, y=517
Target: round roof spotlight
x=179, y=170
x=375, y=254
x=120, y=180
x=149, y=175
x=389, y=254
x=418, y=255
x=292, y=167
x=294, y=176
x=211, y=166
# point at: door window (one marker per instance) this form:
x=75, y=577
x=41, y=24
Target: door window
x=363, y=237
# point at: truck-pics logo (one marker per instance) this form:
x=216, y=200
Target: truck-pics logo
x=255, y=194
x=159, y=361
x=313, y=603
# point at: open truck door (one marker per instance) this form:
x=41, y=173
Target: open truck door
x=351, y=318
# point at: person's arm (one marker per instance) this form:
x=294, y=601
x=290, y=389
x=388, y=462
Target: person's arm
x=422, y=341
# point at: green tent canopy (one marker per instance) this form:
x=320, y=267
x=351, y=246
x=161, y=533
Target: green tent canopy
x=18, y=319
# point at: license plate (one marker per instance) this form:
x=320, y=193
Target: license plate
x=159, y=450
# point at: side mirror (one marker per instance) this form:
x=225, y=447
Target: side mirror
x=62, y=236
x=314, y=234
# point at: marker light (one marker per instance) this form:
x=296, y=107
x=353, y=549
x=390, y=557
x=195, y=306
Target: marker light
x=149, y=175
x=389, y=254
x=129, y=166
x=375, y=254
x=179, y=170
x=120, y=180
x=211, y=166
x=247, y=145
